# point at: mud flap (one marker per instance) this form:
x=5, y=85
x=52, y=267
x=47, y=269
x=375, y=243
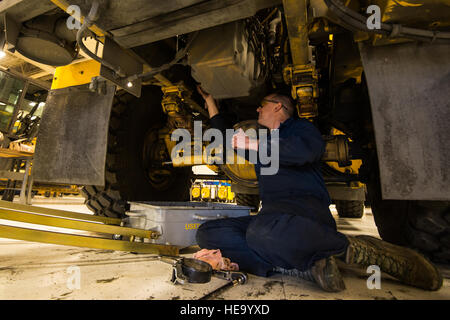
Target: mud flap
x=72, y=140
x=409, y=87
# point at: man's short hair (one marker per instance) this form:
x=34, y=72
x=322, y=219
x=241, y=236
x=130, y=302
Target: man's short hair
x=286, y=101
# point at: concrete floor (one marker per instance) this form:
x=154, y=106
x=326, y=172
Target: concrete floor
x=44, y=272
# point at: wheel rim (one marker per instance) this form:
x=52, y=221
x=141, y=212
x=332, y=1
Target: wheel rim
x=154, y=155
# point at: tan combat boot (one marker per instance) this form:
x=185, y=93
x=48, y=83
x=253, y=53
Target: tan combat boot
x=327, y=275
x=405, y=264
x=324, y=272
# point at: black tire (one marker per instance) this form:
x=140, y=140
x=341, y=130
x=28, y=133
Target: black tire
x=126, y=173
x=248, y=200
x=350, y=209
x=428, y=229
x=420, y=225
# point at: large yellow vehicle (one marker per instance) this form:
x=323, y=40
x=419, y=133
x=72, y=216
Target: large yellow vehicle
x=376, y=70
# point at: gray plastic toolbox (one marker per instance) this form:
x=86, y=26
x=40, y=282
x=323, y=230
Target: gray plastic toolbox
x=177, y=222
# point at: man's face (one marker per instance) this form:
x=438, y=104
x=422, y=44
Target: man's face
x=266, y=110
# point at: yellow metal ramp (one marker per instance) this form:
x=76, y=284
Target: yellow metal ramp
x=108, y=227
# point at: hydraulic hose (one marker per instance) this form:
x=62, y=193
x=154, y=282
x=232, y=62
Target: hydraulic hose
x=358, y=21
x=178, y=56
x=88, y=22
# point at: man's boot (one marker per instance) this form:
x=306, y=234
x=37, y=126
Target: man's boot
x=324, y=272
x=405, y=264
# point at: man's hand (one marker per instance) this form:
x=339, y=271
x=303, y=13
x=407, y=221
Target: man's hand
x=242, y=141
x=210, y=103
x=204, y=94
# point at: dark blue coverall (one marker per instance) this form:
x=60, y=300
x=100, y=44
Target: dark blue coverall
x=295, y=227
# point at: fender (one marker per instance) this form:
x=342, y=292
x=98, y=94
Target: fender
x=409, y=87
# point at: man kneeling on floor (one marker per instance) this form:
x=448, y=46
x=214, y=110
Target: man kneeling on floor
x=294, y=232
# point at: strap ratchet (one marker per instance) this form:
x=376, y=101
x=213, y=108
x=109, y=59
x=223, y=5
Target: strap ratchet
x=188, y=270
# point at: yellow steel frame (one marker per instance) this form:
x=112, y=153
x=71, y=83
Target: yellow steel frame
x=296, y=12
x=76, y=221
x=75, y=74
